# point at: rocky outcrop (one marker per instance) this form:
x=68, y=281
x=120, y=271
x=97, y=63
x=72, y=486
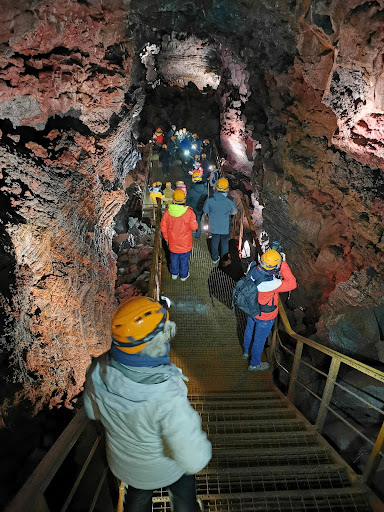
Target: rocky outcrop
x=67, y=146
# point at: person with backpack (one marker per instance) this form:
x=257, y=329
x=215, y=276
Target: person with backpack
x=270, y=277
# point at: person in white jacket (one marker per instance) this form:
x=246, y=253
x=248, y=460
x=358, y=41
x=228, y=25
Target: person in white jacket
x=153, y=435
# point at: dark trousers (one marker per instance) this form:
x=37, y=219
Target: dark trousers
x=223, y=241
x=179, y=265
x=182, y=495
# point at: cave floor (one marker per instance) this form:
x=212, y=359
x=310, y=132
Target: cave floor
x=207, y=345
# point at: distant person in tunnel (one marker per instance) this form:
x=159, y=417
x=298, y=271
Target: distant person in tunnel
x=153, y=435
x=164, y=158
x=270, y=285
x=196, y=197
x=177, y=225
x=220, y=208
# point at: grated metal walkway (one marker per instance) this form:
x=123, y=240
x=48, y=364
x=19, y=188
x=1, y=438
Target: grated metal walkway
x=266, y=456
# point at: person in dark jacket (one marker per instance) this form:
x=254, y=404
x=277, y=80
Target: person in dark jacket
x=164, y=158
x=171, y=132
x=196, y=197
x=205, y=165
x=220, y=208
x=172, y=147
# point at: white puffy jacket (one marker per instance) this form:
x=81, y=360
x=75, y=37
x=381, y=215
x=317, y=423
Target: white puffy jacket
x=153, y=435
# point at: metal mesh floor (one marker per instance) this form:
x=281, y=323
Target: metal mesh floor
x=207, y=346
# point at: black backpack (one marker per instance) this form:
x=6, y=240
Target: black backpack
x=245, y=293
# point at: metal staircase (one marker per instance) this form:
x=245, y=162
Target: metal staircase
x=267, y=457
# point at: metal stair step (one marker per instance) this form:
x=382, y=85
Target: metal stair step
x=264, y=440
x=250, y=414
x=244, y=426
x=246, y=396
x=260, y=403
x=330, y=500
x=262, y=479
x=277, y=456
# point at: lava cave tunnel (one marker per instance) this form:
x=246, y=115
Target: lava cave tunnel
x=291, y=93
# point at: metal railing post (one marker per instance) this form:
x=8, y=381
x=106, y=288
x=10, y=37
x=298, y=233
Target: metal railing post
x=374, y=457
x=295, y=369
x=327, y=394
x=273, y=342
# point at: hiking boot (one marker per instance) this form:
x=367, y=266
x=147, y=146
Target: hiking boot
x=174, y=277
x=184, y=278
x=245, y=356
x=260, y=368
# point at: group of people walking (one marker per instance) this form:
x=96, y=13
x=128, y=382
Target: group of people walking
x=154, y=437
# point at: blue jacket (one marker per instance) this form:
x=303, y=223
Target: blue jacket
x=219, y=208
x=196, y=196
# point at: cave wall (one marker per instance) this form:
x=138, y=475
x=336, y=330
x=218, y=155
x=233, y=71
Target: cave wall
x=66, y=145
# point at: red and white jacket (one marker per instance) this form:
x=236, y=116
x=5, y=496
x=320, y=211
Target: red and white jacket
x=268, y=291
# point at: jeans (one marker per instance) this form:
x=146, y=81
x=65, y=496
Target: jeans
x=179, y=265
x=257, y=331
x=216, y=239
x=198, y=220
x=182, y=495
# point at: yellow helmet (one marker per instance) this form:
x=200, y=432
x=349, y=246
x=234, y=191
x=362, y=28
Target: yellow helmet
x=179, y=196
x=135, y=322
x=178, y=183
x=164, y=146
x=168, y=183
x=156, y=184
x=222, y=185
x=270, y=260
x=196, y=176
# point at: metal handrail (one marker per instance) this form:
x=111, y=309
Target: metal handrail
x=336, y=360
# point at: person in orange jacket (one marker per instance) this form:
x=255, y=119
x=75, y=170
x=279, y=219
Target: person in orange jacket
x=260, y=326
x=177, y=225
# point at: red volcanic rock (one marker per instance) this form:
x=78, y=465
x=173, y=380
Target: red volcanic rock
x=37, y=149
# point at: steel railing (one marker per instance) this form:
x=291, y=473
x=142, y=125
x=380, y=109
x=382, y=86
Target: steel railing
x=325, y=401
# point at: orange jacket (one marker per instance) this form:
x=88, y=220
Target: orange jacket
x=177, y=225
x=268, y=291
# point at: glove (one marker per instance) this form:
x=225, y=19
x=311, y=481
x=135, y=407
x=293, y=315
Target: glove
x=282, y=254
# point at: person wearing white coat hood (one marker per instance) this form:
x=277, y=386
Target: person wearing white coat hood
x=153, y=435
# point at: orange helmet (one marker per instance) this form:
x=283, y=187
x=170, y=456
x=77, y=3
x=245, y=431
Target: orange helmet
x=194, y=134
x=159, y=130
x=222, y=185
x=164, y=146
x=136, y=322
x=206, y=141
x=179, y=196
x=179, y=183
x=156, y=184
x=197, y=157
x=196, y=176
x=203, y=155
x=173, y=137
x=270, y=260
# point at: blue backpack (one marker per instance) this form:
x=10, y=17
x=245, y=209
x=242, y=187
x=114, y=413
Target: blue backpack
x=245, y=293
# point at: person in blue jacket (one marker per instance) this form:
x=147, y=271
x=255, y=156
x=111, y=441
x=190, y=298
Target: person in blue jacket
x=153, y=435
x=220, y=208
x=196, y=197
